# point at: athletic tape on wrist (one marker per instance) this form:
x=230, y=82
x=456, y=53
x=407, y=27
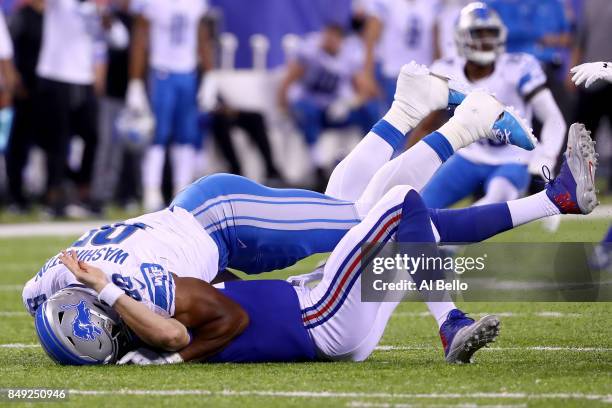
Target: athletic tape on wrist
x=110, y=294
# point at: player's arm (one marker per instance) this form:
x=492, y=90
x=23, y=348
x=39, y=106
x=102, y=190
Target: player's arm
x=294, y=72
x=155, y=330
x=138, y=51
x=205, y=46
x=136, y=96
x=371, y=35
x=552, y=136
x=213, y=318
x=430, y=123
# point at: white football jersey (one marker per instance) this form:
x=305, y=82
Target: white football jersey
x=173, y=37
x=6, y=45
x=514, y=78
x=407, y=35
x=326, y=77
x=72, y=41
x=138, y=255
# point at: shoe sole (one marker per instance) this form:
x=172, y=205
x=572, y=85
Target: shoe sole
x=582, y=161
x=472, y=338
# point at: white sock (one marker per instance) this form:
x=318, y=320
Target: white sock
x=473, y=120
x=414, y=167
x=153, y=167
x=351, y=176
x=531, y=208
x=183, y=164
x=440, y=310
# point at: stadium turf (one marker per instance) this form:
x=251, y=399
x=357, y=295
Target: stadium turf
x=549, y=354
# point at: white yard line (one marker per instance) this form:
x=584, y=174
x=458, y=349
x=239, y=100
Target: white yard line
x=56, y=229
x=410, y=348
x=332, y=394
x=528, y=348
x=19, y=345
x=11, y=288
x=74, y=228
x=499, y=314
x=13, y=313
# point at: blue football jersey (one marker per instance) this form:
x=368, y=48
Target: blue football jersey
x=275, y=331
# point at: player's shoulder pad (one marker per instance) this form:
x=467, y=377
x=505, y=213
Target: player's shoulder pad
x=524, y=70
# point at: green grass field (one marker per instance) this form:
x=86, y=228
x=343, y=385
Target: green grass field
x=549, y=354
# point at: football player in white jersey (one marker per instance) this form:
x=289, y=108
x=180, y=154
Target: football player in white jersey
x=255, y=321
x=235, y=222
x=396, y=32
x=319, y=90
x=516, y=80
x=174, y=34
x=7, y=83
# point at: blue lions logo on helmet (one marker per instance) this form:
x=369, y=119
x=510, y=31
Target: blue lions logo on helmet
x=82, y=326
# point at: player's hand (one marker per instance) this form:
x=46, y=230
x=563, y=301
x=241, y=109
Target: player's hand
x=145, y=356
x=591, y=72
x=88, y=275
x=136, y=97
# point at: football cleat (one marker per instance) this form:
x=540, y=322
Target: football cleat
x=462, y=336
x=511, y=128
x=573, y=190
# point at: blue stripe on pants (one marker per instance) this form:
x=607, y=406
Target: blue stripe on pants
x=259, y=229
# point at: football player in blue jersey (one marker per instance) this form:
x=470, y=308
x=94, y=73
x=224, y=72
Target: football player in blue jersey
x=268, y=321
x=387, y=208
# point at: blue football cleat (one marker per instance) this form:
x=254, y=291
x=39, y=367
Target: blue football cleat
x=573, y=190
x=461, y=336
x=512, y=129
x=455, y=97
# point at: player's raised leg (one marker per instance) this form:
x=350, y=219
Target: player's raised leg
x=345, y=328
x=571, y=192
x=418, y=93
x=479, y=116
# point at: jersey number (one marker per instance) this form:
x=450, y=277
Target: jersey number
x=109, y=234
x=125, y=283
x=178, y=22
x=414, y=32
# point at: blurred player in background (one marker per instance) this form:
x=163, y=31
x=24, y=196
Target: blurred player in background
x=516, y=80
x=593, y=44
x=7, y=84
x=26, y=31
x=325, y=94
x=397, y=32
x=70, y=72
x=174, y=34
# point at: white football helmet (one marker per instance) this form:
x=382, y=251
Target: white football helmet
x=480, y=34
x=135, y=128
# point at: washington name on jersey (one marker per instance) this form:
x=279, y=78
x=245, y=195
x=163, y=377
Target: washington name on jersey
x=139, y=256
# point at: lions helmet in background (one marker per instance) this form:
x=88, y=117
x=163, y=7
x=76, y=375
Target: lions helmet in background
x=135, y=129
x=75, y=328
x=480, y=34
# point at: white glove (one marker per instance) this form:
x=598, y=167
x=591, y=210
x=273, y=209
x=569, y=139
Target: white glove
x=540, y=159
x=591, y=72
x=207, y=93
x=136, y=97
x=145, y=356
x=339, y=110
